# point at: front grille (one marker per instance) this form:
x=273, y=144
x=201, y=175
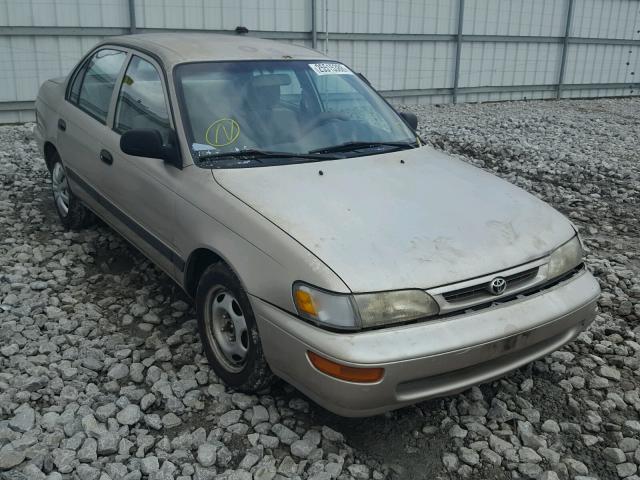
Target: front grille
x=494, y=301
x=527, y=292
x=480, y=291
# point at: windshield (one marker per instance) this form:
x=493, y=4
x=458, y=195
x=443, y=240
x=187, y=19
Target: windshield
x=288, y=106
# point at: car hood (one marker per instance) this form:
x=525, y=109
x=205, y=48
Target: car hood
x=411, y=219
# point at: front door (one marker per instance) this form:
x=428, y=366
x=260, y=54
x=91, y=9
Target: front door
x=142, y=189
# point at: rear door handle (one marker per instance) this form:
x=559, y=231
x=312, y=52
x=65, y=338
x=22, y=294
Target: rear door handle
x=62, y=125
x=106, y=157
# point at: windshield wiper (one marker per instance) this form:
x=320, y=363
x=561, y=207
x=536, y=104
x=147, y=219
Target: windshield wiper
x=255, y=154
x=350, y=146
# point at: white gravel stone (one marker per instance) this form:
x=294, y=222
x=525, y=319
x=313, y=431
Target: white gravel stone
x=612, y=373
x=104, y=412
x=302, y=448
x=332, y=435
x=287, y=467
x=118, y=371
x=207, y=455
x=129, y=415
x=628, y=444
x=10, y=458
x=550, y=475
x=528, y=455
x=489, y=456
x=457, y=432
x=468, y=456
x=259, y=415
x=108, y=443
x=632, y=425
x=550, y=426
x=24, y=419
x=171, y=420
x=149, y=465
x=576, y=466
x=285, y=434
x=625, y=470
x=88, y=453
x=229, y=418
x=359, y=472
x=614, y=455
x=266, y=473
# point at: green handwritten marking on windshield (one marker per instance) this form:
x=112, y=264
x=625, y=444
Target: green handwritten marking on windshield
x=222, y=132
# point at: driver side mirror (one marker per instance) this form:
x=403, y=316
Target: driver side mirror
x=411, y=119
x=148, y=143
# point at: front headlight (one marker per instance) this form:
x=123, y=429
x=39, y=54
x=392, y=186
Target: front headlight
x=332, y=309
x=565, y=258
x=394, y=307
x=362, y=310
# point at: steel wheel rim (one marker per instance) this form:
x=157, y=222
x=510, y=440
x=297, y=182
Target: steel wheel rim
x=226, y=329
x=60, y=187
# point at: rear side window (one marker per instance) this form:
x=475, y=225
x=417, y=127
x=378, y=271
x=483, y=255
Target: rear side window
x=96, y=81
x=76, y=83
x=141, y=103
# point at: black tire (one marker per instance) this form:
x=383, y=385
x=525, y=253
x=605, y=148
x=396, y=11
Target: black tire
x=76, y=216
x=252, y=374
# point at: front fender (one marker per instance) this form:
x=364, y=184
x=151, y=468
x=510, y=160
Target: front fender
x=264, y=257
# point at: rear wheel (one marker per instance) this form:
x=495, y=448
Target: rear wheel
x=73, y=214
x=228, y=331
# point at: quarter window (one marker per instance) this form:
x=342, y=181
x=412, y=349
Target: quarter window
x=141, y=103
x=76, y=83
x=97, y=82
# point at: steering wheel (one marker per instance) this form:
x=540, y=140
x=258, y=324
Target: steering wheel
x=321, y=119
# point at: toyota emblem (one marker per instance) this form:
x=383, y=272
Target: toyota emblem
x=497, y=286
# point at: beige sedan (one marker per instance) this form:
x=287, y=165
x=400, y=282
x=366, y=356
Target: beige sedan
x=320, y=239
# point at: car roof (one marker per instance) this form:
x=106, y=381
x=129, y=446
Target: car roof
x=180, y=47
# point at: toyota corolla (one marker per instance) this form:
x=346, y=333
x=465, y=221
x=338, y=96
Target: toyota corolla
x=321, y=240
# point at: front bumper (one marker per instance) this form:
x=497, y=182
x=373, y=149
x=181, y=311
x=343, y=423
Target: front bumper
x=429, y=359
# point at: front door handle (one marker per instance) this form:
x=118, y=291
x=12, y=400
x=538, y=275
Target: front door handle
x=62, y=125
x=106, y=157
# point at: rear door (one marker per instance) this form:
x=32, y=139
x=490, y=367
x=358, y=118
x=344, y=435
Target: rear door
x=83, y=122
x=142, y=189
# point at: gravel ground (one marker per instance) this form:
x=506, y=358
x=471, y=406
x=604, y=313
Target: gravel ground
x=102, y=375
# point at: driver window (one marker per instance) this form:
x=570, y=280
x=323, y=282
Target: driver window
x=141, y=103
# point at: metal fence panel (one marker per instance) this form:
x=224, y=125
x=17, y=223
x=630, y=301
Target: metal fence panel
x=508, y=96
x=384, y=16
x=515, y=17
x=606, y=18
x=408, y=49
x=399, y=65
x=27, y=61
x=266, y=15
x=601, y=63
x=506, y=64
x=65, y=13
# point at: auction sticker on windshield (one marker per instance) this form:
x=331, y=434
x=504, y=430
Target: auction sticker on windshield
x=330, y=69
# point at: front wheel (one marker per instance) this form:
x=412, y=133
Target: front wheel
x=73, y=214
x=228, y=331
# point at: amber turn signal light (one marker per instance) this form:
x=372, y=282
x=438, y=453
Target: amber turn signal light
x=344, y=372
x=305, y=303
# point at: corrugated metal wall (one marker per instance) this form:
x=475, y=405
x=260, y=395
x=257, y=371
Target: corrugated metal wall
x=409, y=49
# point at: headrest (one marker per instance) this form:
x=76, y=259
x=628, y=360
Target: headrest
x=263, y=91
x=270, y=80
